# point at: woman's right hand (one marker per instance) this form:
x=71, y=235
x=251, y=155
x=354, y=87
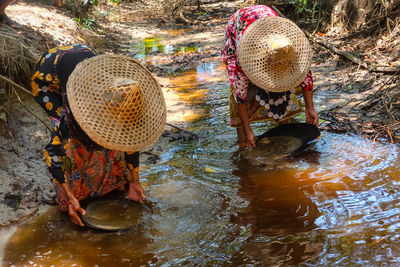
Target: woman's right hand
x=248, y=132
x=73, y=208
x=249, y=137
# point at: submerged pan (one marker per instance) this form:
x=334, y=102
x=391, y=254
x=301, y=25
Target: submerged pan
x=282, y=141
x=114, y=214
x=306, y=133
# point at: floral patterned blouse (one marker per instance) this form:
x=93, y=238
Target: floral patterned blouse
x=235, y=29
x=48, y=84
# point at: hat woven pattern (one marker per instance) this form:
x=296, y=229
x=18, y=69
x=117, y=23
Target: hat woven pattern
x=256, y=63
x=117, y=102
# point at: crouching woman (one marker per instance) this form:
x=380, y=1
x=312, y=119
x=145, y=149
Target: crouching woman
x=104, y=109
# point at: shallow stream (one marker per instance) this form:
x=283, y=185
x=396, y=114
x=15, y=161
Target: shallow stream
x=336, y=204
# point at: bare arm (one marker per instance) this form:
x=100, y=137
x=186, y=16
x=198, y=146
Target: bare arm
x=249, y=135
x=73, y=205
x=136, y=192
x=311, y=114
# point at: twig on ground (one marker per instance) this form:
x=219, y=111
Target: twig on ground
x=182, y=130
x=351, y=57
x=337, y=51
x=278, y=11
x=15, y=84
x=30, y=111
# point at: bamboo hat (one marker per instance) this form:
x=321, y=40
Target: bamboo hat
x=275, y=54
x=117, y=102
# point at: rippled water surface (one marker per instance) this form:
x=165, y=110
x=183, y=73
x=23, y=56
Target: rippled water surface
x=336, y=204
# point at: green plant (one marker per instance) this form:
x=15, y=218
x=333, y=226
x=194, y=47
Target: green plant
x=87, y=23
x=305, y=6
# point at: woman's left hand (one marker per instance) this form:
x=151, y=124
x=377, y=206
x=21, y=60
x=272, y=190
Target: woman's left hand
x=136, y=192
x=311, y=116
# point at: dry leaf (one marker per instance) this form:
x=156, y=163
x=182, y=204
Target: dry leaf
x=210, y=170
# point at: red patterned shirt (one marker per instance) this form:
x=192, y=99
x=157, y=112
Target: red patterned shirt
x=237, y=25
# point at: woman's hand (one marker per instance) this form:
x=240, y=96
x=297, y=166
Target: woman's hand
x=249, y=137
x=136, y=192
x=73, y=208
x=73, y=205
x=311, y=116
x=248, y=132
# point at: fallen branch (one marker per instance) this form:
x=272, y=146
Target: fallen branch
x=372, y=99
x=30, y=111
x=182, y=17
x=15, y=84
x=346, y=54
x=337, y=51
x=353, y=58
x=278, y=11
x=385, y=69
x=182, y=130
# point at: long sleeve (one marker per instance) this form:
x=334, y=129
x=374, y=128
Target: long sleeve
x=132, y=160
x=45, y=89
x=238, y=80
x=54, y=154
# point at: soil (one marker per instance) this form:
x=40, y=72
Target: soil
x=356, y=102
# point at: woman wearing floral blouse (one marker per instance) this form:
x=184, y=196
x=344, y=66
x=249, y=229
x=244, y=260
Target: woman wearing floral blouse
x=80, y=166
x=254, y=100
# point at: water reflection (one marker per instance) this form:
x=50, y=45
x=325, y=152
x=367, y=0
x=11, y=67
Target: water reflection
x=278, y=207
x=52, y=240
x=189, y=97
x=157, y=45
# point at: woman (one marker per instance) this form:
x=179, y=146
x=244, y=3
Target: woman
x=103, y=109
x=266, y=57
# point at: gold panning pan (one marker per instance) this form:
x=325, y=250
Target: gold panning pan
x=117, y=102
x=115, y=214
x=282, y=141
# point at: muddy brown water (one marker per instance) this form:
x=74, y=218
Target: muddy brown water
x=336, y=204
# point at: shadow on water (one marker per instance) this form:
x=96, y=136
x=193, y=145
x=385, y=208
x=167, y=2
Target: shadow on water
x=279, y=209
x=337, y=204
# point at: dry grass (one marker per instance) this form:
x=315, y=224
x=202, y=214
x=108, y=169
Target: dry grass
x=17, y=58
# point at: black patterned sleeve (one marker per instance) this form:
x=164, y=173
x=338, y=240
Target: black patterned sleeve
x=46, y=87
x=46, y=91
x=132, y=160
x=54, y=153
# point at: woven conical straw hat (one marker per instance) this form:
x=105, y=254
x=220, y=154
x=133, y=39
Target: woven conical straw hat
x=275, y=54
x=117, y=102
